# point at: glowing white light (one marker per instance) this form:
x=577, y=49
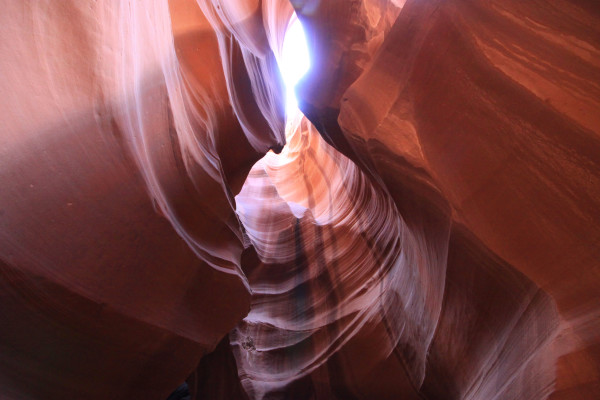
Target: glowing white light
x=294, y=61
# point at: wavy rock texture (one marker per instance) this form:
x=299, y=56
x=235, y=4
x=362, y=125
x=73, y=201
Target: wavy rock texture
x=430, y=230
x=120, y=245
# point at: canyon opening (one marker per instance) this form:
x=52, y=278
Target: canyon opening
x=294, y=62
x=422, y=222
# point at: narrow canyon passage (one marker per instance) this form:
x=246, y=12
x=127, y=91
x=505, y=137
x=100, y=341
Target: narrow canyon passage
x=421, y=221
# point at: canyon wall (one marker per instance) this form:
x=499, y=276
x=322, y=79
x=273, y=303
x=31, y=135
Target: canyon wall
x=429, y=229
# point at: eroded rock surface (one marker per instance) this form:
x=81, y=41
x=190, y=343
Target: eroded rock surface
x=431, y=229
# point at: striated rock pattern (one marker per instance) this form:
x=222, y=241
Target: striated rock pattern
x=430, y=228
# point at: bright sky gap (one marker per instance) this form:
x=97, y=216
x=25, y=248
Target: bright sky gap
x=294, y=61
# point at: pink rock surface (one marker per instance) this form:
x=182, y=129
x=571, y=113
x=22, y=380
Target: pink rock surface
x=430, y=229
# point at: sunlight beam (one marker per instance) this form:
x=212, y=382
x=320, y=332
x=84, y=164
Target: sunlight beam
x=294, y=62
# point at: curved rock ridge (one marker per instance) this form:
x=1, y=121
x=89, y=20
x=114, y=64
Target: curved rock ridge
x=490, y=105
x=336, y=259
x=118, y=183
x=343, y=285
x=430, y=229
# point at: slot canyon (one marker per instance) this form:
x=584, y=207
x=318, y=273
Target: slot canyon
x=425, y=226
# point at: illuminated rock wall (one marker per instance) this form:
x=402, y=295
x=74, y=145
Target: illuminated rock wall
x=430, y=230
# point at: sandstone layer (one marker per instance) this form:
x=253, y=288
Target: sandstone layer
x=430, y=228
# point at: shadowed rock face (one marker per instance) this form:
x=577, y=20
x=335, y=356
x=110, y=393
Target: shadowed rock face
x=431, y=229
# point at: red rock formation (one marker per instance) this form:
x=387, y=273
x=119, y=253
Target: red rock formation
x=120, y=248
x=431, y=229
